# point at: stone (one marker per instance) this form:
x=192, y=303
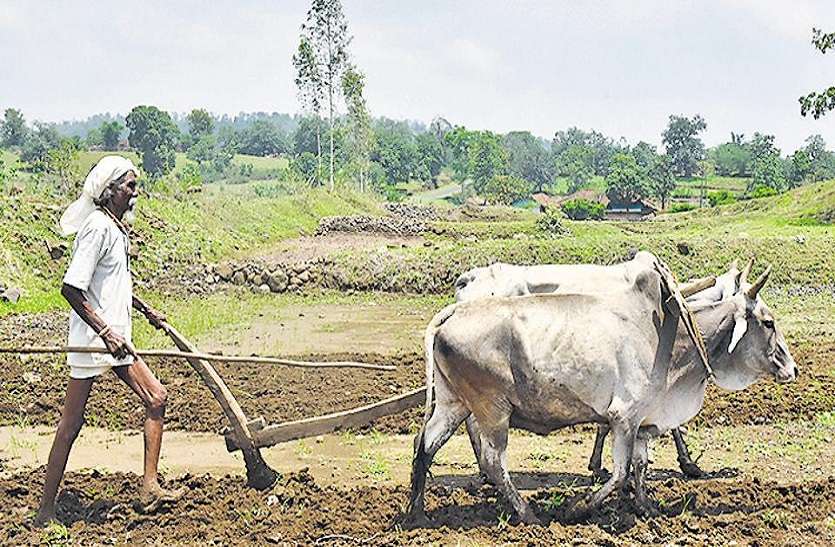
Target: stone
x=224, y=271
x=277, y=281
x=258, y=279
x=11, y=294
x=239, y=278
x=683, y=248
x=304, y=277
x=264, y=288
x=57, y=252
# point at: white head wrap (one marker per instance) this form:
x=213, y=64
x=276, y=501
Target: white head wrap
x=108, y=169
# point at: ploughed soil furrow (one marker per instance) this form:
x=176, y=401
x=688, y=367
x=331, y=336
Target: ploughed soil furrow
x=32, y=389
x=97, y=508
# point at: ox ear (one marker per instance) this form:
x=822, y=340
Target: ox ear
x=740, y=327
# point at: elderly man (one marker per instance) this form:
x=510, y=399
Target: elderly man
x=98, y=287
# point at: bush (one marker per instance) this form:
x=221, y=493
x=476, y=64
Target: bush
x=762, y=191
x=582, y=209
x=550, y=222
x=721, y=197
x=682, y=207
x=505, y=189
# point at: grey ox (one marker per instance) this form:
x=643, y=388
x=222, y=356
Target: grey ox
x=622, y=358
x=514, y=280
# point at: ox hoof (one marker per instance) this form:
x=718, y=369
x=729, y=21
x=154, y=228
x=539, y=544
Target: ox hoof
x=415, y=519
x=691, y=470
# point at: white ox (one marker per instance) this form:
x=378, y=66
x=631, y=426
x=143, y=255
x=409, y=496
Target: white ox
x=514, y=280
x=543, y=362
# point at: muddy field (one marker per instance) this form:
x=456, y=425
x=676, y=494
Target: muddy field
x=33, y=388
x=97, y=509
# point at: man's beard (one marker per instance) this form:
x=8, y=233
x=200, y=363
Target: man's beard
x=130, y=215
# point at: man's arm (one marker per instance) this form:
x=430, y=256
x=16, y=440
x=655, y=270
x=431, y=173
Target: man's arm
x=155, y=318
x=115, y=343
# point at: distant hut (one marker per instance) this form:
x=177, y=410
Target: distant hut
x=641, y=209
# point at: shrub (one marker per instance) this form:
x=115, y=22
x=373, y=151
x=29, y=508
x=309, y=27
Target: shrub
x=550, y=222
x=582, y=209
x=682, y=207
x=721, y=197
x=762, y=191
x=505, y=189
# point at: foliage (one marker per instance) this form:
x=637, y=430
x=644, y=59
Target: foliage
x=13, y=129
x=153, y=134
x=262, y=138
x=110, y=133
x=682, y=207
x=600, y=148
x=505, y=189
x=576, y=164
x=37, y=144
x=61, y=162
x=731, y=159
x=458, y=141
x=360, y=137
x=661, y=179
x=431, y=157
x=583, y=209
x=684, y=147
x=486, y=159
x=200, y=123
x=763, y=191
x=768, y=172
x=551, y=222
x=528, y=159
x=819, y=103
x=395, y=151
x=304, y=166
x=321, y=60
x=799, y=168
x=720, y=197
x=625, y=181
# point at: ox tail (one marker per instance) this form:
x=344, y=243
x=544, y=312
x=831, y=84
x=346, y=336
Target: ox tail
x=429, y=348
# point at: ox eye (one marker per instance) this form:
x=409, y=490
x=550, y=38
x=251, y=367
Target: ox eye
x=768, y=323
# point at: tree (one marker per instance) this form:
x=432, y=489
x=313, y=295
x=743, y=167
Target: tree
x=645, y=155
x=823, y=161
x=359, y=122
x=819, y=103
x=153, y=134
x=732, y=159
x=528, y=159
x=486, y=159
x=430, y=157
x=457, y=141
x=13, y=129
x=262, y=138
x=37, y=144
x=311, y=95
x=200, y=123
x=661, y=179
x=799, y=168
x=506, y=189
x=110, y=133
x=323, y=58
x=576, y=164
x=768, y=172
x=394, y=151
x=625, y=181
x=684, y=147
x=762, y=146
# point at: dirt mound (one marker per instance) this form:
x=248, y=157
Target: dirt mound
x=97, y=508
x=399, y=226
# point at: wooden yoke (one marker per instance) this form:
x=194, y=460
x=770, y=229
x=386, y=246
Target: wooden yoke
x=258, y=474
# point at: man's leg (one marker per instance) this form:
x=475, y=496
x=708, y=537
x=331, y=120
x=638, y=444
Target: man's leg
x=72, y=417
x=143, y=382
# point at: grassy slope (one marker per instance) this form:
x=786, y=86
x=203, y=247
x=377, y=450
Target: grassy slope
x=171, y=233
x=783, y=230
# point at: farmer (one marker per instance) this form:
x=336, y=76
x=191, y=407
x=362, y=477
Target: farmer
x=98, y=287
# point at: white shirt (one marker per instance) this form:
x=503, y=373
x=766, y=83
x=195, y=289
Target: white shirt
x=100, y=268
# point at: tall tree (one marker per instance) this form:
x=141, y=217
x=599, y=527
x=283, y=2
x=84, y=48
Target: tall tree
x=200, y=123
x=528, y=159
x=487, y=159
x=819, y=103
x=323, y=57
x=13, y=129
x=311, y=94
x=110, y=133
x=625, y=181
x=153, y=134
x=684, y=147
x=661, y=179
x=360, y=137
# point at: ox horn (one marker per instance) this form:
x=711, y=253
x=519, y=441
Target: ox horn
x=698, y=285
x=758, y=284
x=746, y=271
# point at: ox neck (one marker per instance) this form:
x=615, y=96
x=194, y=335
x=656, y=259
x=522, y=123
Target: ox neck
x=716, y=322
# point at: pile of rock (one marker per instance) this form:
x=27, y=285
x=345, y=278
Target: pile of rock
x=411, y=211
x=267, y=277
x=399, y=226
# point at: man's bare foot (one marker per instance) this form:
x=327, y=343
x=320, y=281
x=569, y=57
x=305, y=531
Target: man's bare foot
x=44, y=517
x=151, y=498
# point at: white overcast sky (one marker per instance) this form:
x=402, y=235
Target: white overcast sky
x=619, y=67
